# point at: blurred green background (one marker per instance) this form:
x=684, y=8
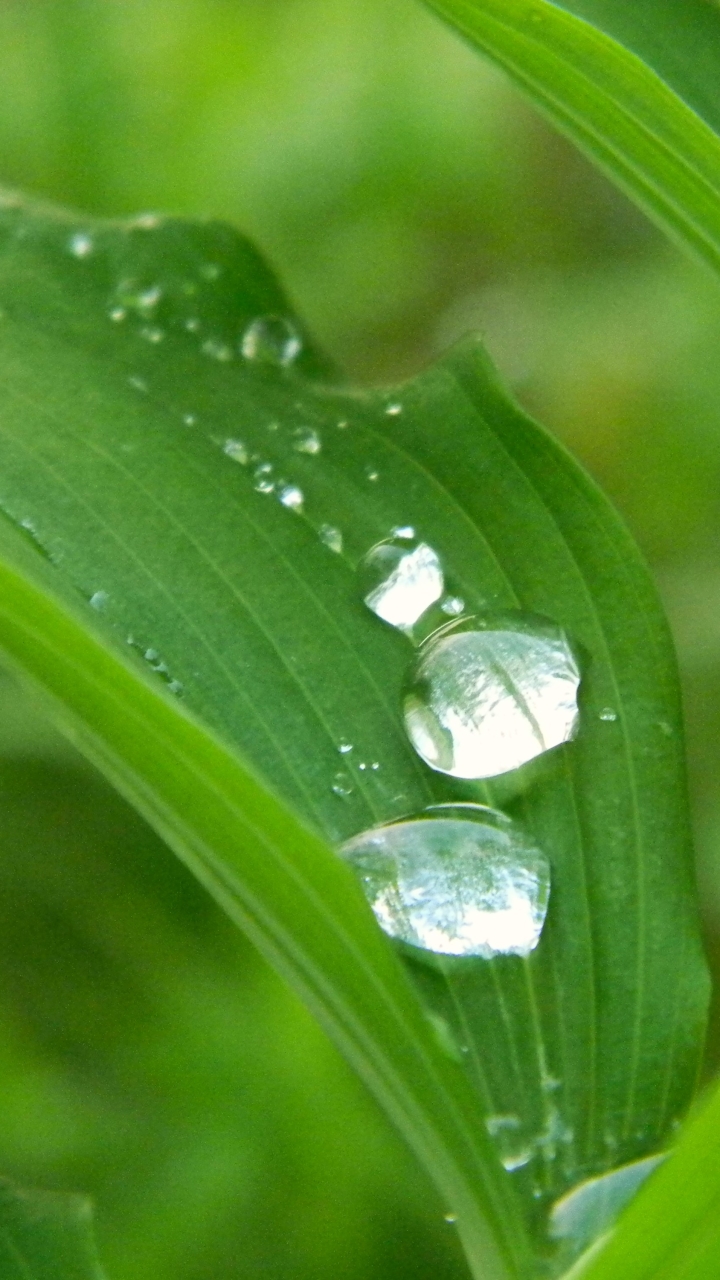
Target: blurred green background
x=405, y=194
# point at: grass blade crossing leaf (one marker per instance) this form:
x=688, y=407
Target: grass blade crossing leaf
x=45, y=1235
x=187, y=511
x=632, y=109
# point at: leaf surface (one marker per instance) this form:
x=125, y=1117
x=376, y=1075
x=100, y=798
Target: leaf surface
x=634, y=85
x=45, y=1235
x=208, y=645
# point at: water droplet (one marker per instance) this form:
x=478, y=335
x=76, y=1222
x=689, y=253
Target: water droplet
x=371, y=473
x=81, y=245
x=132, y=295
x=117, y=314
x=362, y=765
x=607, y=713
x=485, y=702
x=210, y=271
x=305, y=440
x=192, y=324
x=451, y=1218
x=589, y=1209
x=292, y=497
x=513, y=1147
x=375, y=765
x=151, y=333
x=262, y=478
x=190, y=420
x=217, y=350
x=343, y=425
x=345, y=748
x=139, y=384
x=342, y=786
x=146, y=222
x=271, y=340
x=175, y=686
x=404, y=531
x=99, y=599
x=331, y=537
x=469, y=885
x=453, y=606
x=236, y=450
x=393, y=410
x=400, y=581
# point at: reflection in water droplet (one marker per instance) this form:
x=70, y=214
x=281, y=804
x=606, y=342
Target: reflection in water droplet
x=453, y=606
x=514, y=1149
x=292, y=497
x=271, y=340
x=331, y=537
x=607, y=713
x=305, y=440
x=485, y=702
x=81, y=245
x=99, y=599
x=342, y=786
x=470, y=885
x=401, y=581
x=590, y=1208
x=236, y=450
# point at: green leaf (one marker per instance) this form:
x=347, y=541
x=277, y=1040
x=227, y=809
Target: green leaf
x=46, y=1235
x=634, y=85
x=141, y=462
x=671, y=1231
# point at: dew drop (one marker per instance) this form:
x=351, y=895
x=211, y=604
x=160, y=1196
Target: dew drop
x=404, y=531
x=451, y=1218
x=341, y=786
x=236, y=450
x=371, y=474
x=607, y=713
x=484, y=702
x=146, y=222
x=151, y=333
x=590, y=1209
x=292, y=497
x=514, y=1149
x=189, y=419
x=305, y=440
x=117, y=314
x=401, y=580
x=262, y=478
x=453, y=606
x=331, y=537
x=131, y=295
x=393, y=410
x=469, y=885
x=345, y=748
x=272, y=340
x=139, y=384
x=217, y=350
x=210, y=271
x=192, y=324
x=99, y=599
x=81, y=245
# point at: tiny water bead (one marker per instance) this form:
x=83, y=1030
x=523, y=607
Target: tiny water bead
x=401, y=579
x=587, y=1211
x=292, y=497
x=81, y=245
x=462, y=880
x=331, y=537
x=484, y=702
x=271, y=340
x=236, y=450
x=514, y=1148
x=608, y=714
x=306, y=440
x=341, y=786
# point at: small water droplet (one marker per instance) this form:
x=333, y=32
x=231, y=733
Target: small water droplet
x=513, y=1147
x=451, y=1218
x=470, y=885
x=217, y=350
x=362, y=765
x=132, y=295
x=401, y=580
x=343, y=425
x=342, y=786
x=403, y=531
x=192, y=324
x=345, y=748
x=117, y=314
x=591, y=1208
x=139, y=384
x=607, y=713
x=393, y=410
x=292, y=497
x=483, y=703
x=371, y=473
x=81, y=245
x=453, y=606
x=331, y=537
x=189, y=419
x=175, y=686
x=151, y=333
x=262, y=478
x=211, y=271
x=306, y=440
x=375, y=765
x=99, y=599
x=272, y=340
x=236, y=450
x=146, y=222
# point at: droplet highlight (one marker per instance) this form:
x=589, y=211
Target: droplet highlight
x=271, y=340
x=461, y=881
x=482, y=703
x=291, y=497
x=401, y=580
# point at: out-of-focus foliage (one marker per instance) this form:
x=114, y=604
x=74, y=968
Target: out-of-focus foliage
x=406, y=194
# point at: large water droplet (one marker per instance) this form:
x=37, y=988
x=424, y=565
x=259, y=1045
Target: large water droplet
x=461, y=881
x=485, y=702
x=271, y=340
x=401, y=580
x=590, y=1208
